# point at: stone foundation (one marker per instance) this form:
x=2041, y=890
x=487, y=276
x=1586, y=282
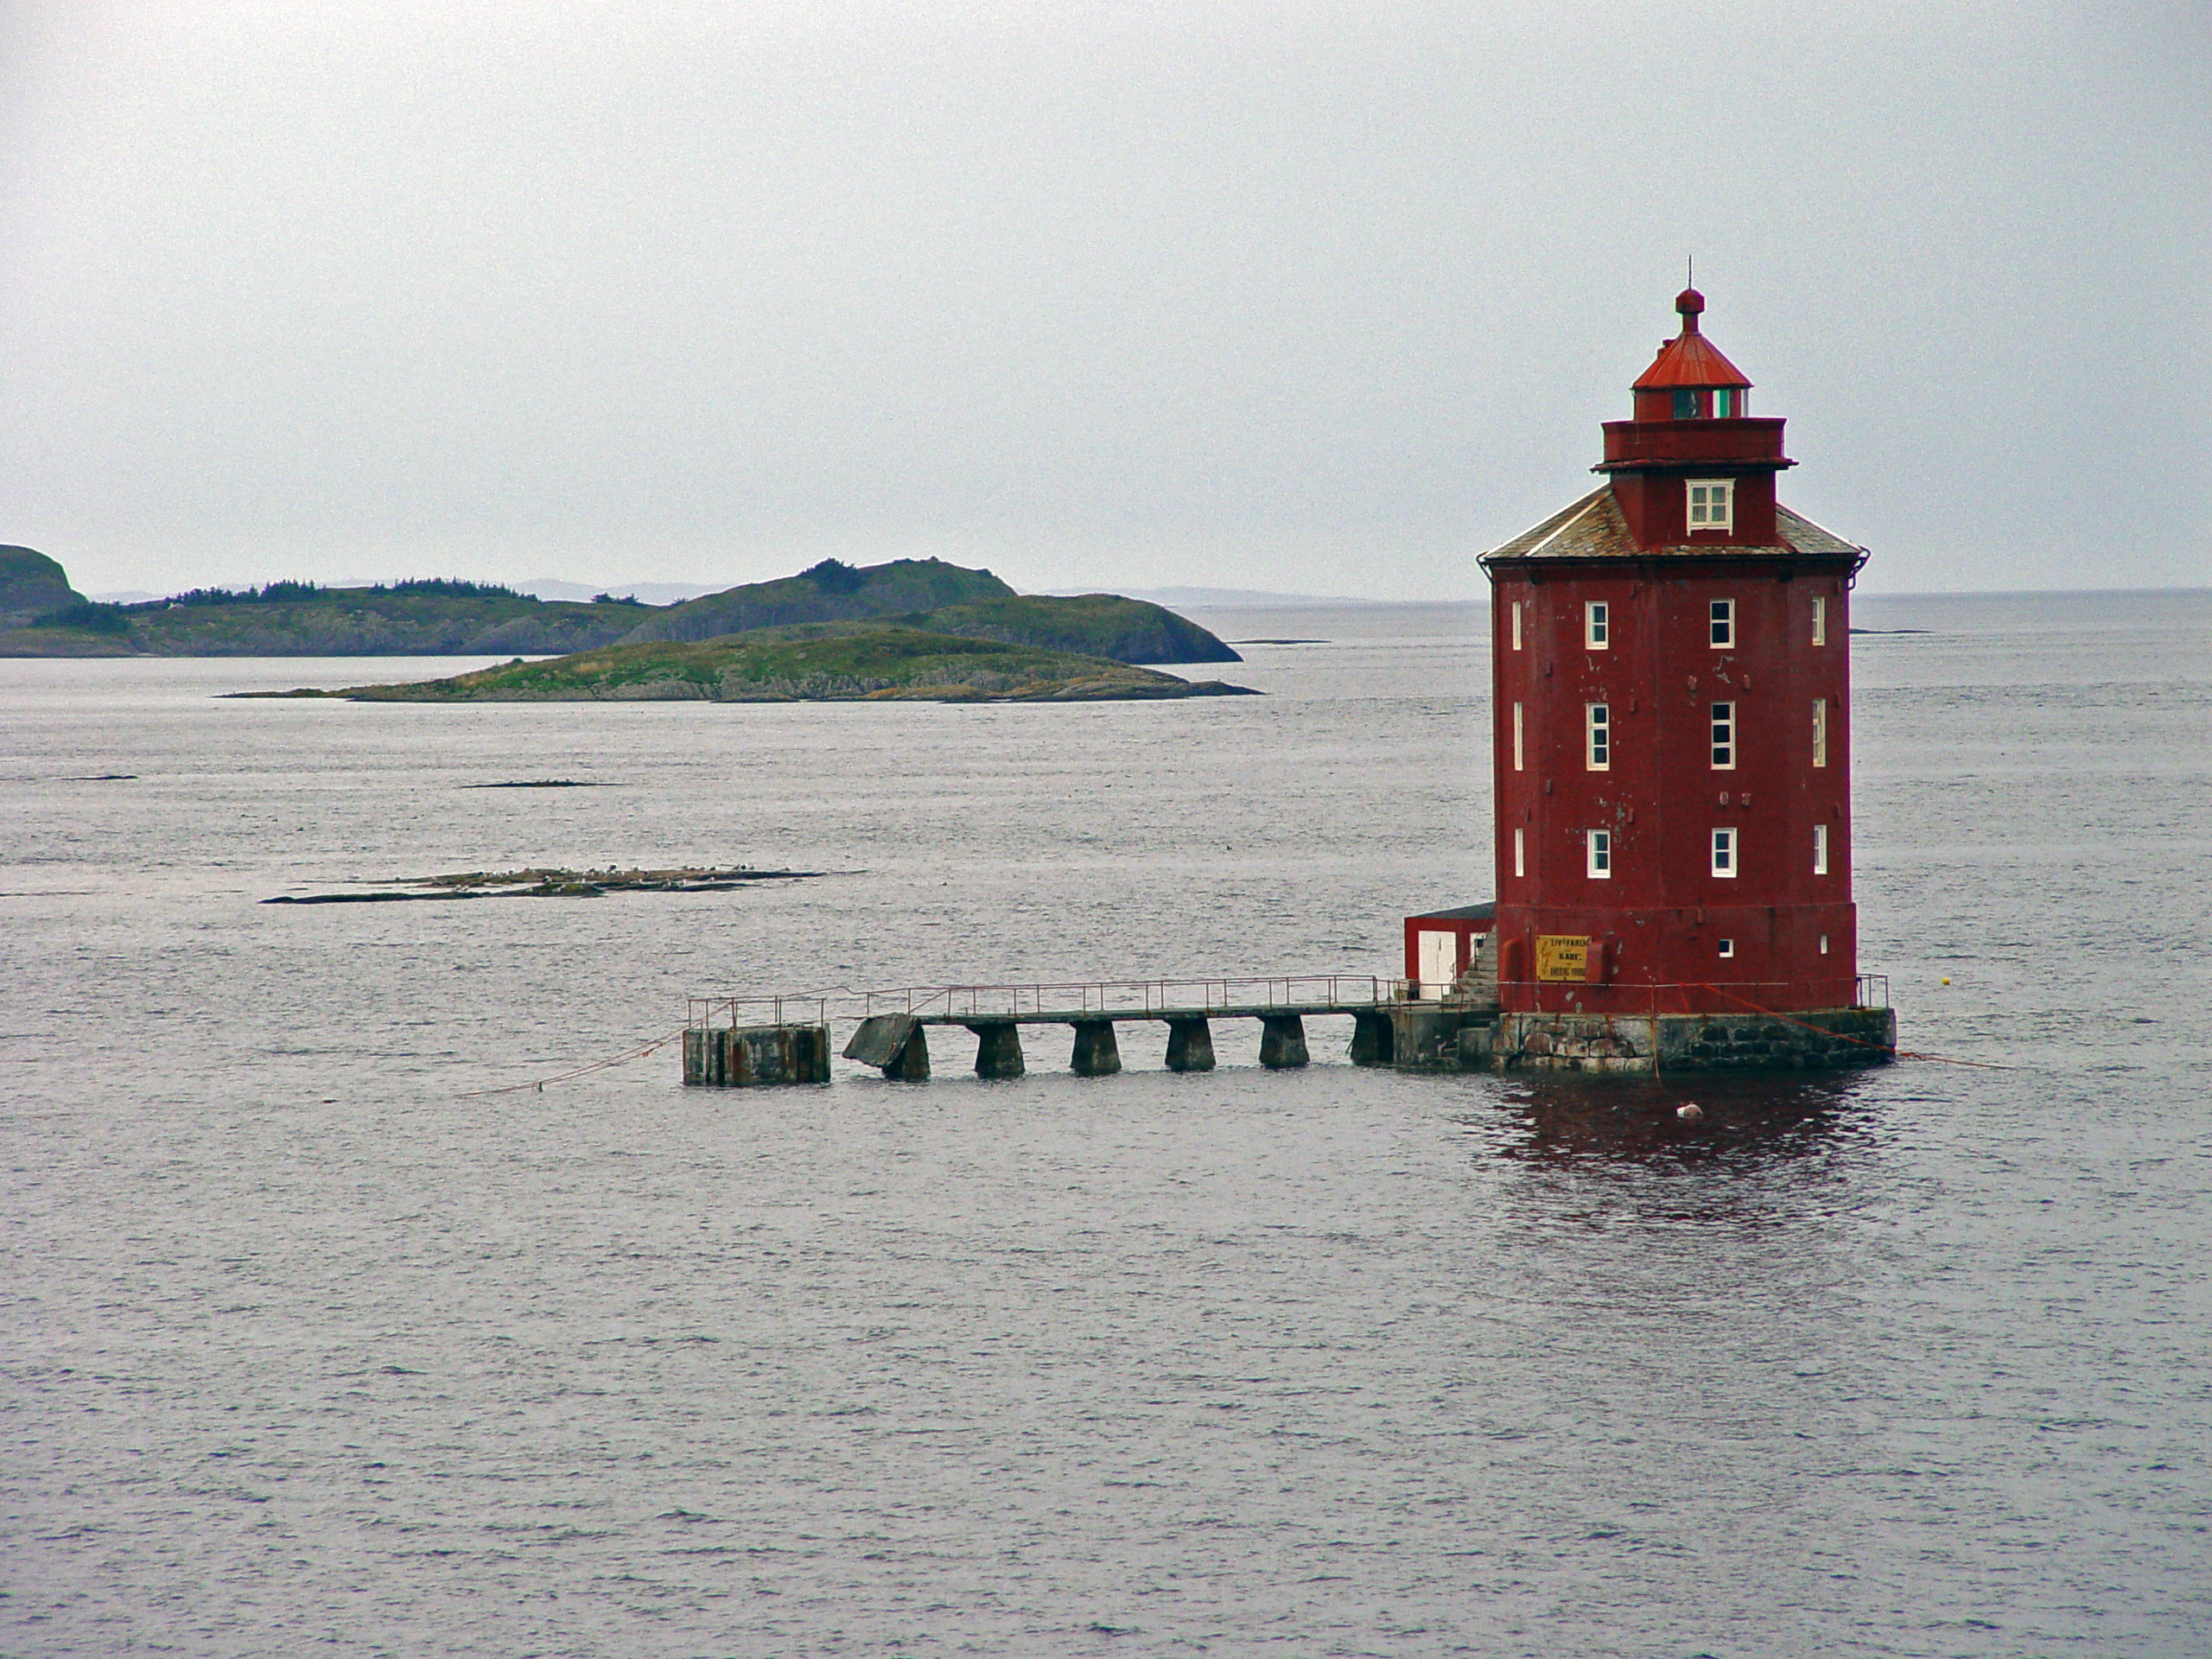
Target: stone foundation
x=1445, y=1037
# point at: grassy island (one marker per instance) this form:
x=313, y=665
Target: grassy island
x=818, y=662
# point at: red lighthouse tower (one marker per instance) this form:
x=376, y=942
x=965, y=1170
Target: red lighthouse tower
x=1671, y=683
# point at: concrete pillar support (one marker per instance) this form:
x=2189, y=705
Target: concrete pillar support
x=998, y=1049
x=1096, y=1054
x=1282, y=1041
x=1372, y=1037
x=912, y=1063
x=1190, y=1046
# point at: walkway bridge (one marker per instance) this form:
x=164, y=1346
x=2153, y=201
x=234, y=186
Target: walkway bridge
x=891, y=1033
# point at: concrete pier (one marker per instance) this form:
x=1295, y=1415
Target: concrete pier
x=756, y=1057
x=998, y=1048
x=1372, y=1040
x=1096, y=1054
x=894, y=1042
x=912, y=1063
x=1190, y=1046
x=1282, y=1041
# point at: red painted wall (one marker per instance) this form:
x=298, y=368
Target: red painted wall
x=1463, y=928
x=1655, y=926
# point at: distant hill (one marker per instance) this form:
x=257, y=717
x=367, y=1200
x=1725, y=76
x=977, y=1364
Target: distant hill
x=292, y=618
x=1097, y=625
x=867, y=660
x=830, y=592
x=32, y=586
x=650, y=593
x=441, y=617
x=940, y=598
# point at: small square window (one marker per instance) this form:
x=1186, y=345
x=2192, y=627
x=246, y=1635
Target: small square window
x=1720, y=623
x=1727, y=947
x=1597, y=629
x=1712, y=505
x=1601, y=853
x=1723, y=852
x=1724, y=737
x=1599, y=757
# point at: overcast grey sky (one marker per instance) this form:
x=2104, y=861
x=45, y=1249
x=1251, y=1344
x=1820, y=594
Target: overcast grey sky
x=1307, y=296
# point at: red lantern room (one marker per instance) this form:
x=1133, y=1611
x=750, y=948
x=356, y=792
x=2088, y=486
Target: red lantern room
x=1671, y=679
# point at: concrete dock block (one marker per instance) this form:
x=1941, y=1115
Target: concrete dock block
x=879, y=1038
x=1096, y=1054
x=1190, y=1046
x=756, y=1057
x=1282, y=1041
x=1373, y=1040
x=998, y=1048
x=912, y=1063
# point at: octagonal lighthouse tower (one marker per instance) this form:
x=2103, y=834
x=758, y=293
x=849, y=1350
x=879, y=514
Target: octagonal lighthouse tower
x=1672, y=690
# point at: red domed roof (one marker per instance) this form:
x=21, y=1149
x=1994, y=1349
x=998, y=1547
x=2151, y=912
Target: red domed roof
x=1689, y=360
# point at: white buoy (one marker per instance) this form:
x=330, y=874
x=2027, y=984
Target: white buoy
x=1690, y=1112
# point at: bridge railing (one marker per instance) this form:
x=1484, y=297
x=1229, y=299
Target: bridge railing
x=758, y=1011
x=1139, y=997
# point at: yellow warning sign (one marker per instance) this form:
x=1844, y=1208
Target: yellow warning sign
x=1562, y=956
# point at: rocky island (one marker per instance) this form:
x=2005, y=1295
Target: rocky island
x=807, y=662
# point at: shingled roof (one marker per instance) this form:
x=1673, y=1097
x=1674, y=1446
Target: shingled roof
x=1592, y=528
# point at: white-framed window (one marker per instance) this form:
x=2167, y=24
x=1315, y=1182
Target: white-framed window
x=1820, y=731
x=1519, y=763
x=1723, y=852
x=1727, y=948
x=1723, y=403
x=1596, y=624
x=1517, y=625
x=1600, y=756
x=1724, y=736
x=1520, y=852
x=1720, y=623
x=1819, y=621
x=1820, y=852
x=1601, y=853
x=1713, y=503
x=1824, y=944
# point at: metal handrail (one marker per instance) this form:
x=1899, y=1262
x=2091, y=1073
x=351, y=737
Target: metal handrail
x=780, y=1010
x=1131, y=996
x=1159, y=998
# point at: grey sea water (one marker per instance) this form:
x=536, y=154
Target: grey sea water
x=307, y=1344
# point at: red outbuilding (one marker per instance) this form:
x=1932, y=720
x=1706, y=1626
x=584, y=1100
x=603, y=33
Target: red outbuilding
x=1672, y=704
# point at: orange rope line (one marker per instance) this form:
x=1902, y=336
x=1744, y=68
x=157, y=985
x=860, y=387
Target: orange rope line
x=657, y=1044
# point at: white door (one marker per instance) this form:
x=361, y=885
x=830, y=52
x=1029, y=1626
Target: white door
x=1440, y=963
